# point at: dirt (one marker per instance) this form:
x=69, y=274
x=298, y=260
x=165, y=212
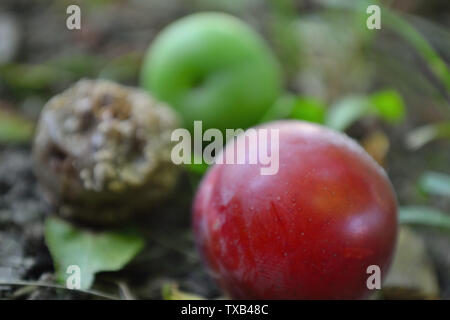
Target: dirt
x=169, y=256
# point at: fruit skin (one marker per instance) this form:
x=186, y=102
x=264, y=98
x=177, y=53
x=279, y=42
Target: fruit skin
x=213, y=67
x=308, y=232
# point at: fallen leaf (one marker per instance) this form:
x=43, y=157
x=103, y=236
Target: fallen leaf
x=91, y=251
x=412, y=274
x=377, y=145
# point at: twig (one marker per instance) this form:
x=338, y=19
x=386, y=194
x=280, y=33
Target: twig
x=56, y=286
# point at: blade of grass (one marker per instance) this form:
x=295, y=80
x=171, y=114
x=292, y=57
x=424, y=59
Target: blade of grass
x=399, y=24
x=435, y=183
x=407, y=31
x=419, y=137
x=424, y=216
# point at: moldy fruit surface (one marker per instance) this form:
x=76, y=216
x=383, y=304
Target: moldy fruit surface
x=102, y=151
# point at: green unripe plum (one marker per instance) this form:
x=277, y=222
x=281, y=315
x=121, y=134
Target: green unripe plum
x=214, y=68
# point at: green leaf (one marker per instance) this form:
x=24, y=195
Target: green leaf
x=91, y=251
x=197, y=168
x=290, y=106
x=389, y=106
x=346, y=111
x=31, y=76
x=14, y=128
x=425, y=216
x=435, y=183
x=170, y=291
x=308, y=109
x=122, y=68
x=281, y=109
x=78, y=65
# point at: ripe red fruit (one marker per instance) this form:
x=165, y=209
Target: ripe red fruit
x=308, y=232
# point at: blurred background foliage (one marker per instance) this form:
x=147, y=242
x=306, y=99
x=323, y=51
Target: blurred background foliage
x=388, y=88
